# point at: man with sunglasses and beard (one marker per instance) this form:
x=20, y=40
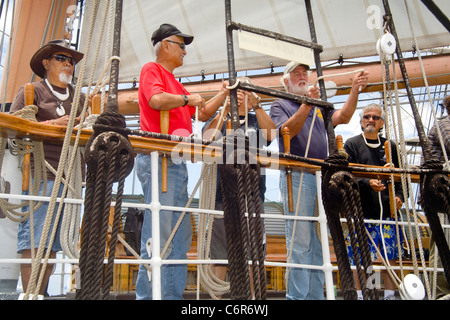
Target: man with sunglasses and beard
x=54, y=63
x=368, y=148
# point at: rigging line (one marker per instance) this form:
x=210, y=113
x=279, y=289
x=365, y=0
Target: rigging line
x=408, y=182
x=56, y=19
x=108, y=52
x=434, y=9
x=58, y=179
x=387, y=96
x=388, y=152
x=419, y=56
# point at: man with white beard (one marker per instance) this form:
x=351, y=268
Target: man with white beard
x=54, y=63
x=303, y=245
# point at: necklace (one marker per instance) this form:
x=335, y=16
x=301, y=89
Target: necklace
x=61, y=98
x=372, y=145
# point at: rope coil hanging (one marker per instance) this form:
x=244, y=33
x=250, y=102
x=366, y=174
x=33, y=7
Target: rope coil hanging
x=340, y=193
x=109, y=159
x=240, y=192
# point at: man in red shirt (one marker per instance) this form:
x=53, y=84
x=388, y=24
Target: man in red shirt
x=160, y=91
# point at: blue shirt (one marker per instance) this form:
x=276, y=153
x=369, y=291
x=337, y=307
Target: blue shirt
x=282, y=110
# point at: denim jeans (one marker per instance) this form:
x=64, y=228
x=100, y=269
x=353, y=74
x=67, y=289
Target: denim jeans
x=39, y=216
x=173, y=277
x=303, y=284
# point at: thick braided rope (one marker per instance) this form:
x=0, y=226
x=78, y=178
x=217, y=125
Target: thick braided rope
x=360, y=246
x=332, y=202
x=231, y=183
x=123, y=159
x=252, y=226
x=254, y=177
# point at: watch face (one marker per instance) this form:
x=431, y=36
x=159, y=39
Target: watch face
x=186, y=99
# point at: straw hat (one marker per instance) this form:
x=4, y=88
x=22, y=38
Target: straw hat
x=47, y=50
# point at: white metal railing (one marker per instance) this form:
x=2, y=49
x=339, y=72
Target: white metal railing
x=156, y=262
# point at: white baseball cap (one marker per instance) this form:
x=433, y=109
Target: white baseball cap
x=292, y=65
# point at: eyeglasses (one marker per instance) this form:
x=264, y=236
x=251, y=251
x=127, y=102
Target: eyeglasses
x=182, y=45
x=368, y=116
x=64, y=58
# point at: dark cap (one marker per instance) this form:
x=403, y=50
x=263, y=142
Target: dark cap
x=166, y=30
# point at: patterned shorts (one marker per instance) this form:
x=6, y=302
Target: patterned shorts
x=390, y=241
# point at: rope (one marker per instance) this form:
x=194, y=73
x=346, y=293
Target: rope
x=244, y=235
x=338, y=74
x=208, y=281
x=332, y=202
x=387, y=99
x=23, y=147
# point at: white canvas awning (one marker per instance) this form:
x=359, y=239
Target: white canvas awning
x=344, y=27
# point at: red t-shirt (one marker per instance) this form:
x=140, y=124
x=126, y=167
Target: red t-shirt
x=155, y=79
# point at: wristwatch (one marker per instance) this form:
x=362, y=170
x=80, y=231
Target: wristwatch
x=258, y=106
x=185, y=98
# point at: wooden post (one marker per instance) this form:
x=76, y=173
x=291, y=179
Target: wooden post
x=29, y=99
x=96, y=104
x=287, y=149
x=392, y=203
x=164, y=124
x=339, y=142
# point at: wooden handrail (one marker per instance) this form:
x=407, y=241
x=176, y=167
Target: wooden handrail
x=15, y=127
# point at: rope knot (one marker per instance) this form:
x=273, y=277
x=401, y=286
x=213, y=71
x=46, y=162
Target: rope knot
x=337, y=158
x=110, y=121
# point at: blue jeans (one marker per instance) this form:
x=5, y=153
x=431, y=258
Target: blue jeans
x=39, y=216
x=303, y=284
x=173, y=277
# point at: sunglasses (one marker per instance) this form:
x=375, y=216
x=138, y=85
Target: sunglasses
x=182, y=45
x=64, y=58
x=368, y=116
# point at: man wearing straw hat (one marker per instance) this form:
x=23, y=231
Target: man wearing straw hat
x=53, y=95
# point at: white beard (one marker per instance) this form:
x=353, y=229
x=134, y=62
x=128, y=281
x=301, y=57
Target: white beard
x=301, y=91
x=64, y=78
